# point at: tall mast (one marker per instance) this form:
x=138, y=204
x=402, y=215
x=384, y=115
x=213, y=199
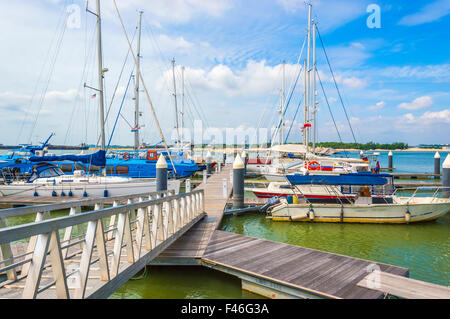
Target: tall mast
x=175, y=99
x=282, y=103
x=100, y=77
x=314, y=89
x=136, y=92
x=308, y=93
x=305, y=112
x=182, y=104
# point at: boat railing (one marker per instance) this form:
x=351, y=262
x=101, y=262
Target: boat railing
x=420, y=188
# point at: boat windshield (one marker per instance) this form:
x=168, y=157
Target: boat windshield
x=45, y=172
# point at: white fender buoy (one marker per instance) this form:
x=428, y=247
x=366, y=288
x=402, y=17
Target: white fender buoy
x=311, y=215
x=407, y=217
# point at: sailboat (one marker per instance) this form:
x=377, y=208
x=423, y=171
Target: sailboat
x=141, y=163
x=48, y=179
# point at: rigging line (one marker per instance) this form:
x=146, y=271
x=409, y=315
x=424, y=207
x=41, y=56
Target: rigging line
x=78, y=92
x=296, y=80
x=329, y=108
x=192, y=96
x=189, y=90
x=120, y=109
x=298, y=66
x=199, y=114
x=163, y=60
x=335, y=83
x=52, y=68
x=41, y=73
x=292, y=88
x=117, y=85
x=293, y=120
x=145, y=88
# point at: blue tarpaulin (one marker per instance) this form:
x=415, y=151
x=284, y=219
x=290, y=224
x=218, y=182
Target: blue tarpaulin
x=97, y=159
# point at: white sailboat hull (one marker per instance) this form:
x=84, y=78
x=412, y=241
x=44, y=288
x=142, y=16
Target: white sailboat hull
x=86, y=189
x=420, y=211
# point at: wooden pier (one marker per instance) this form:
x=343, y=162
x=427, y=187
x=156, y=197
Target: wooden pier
x=279, y=270
x=191, y=246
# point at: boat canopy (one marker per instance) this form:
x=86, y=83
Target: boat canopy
x=44, y=170
x=97, y=159
x=289, y=148
x=342, y=179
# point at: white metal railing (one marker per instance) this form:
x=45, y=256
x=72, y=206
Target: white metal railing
x=160, y=218
x=416, y=189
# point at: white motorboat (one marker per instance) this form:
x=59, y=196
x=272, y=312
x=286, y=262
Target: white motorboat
x=397, y=210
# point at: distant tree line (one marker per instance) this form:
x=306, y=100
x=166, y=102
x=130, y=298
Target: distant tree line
x=366, y=146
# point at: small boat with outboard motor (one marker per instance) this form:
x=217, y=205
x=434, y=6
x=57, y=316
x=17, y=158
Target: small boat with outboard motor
x=372, y=201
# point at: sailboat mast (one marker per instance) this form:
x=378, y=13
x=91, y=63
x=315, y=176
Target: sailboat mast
x=175, y=99
x=282, y=103
x=305, y=112
x=308, y=93
x=182, y=104
x=136, y=92
x=100, y=78
x=314, y=127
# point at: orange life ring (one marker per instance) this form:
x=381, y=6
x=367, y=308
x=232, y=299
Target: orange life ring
x=152, y=155
x=126, y=156
x=313, y=166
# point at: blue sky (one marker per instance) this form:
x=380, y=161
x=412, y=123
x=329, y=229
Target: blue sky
x=395, y=80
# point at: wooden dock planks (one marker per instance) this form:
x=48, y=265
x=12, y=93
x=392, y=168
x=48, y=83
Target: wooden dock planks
x=330, y=275
x=193, y=244
x=404, y=287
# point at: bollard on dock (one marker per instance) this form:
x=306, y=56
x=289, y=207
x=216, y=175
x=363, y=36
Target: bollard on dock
x=238, y=182
x=446, y=177
x=437, y=164
x=188, y=186
x=205, y=176
x=208, y=162
x=224, y=188
x=390, y=166
x=161, y=174
x=244, y=159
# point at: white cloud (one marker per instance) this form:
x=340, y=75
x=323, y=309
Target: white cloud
x=429, y=13
x=440, y=116
x=352, y=82
x=172, y=44
x=255, y=79
x=418, y=103
x=378, y=106
x=440, y=72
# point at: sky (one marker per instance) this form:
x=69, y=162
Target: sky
x=392, y=69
